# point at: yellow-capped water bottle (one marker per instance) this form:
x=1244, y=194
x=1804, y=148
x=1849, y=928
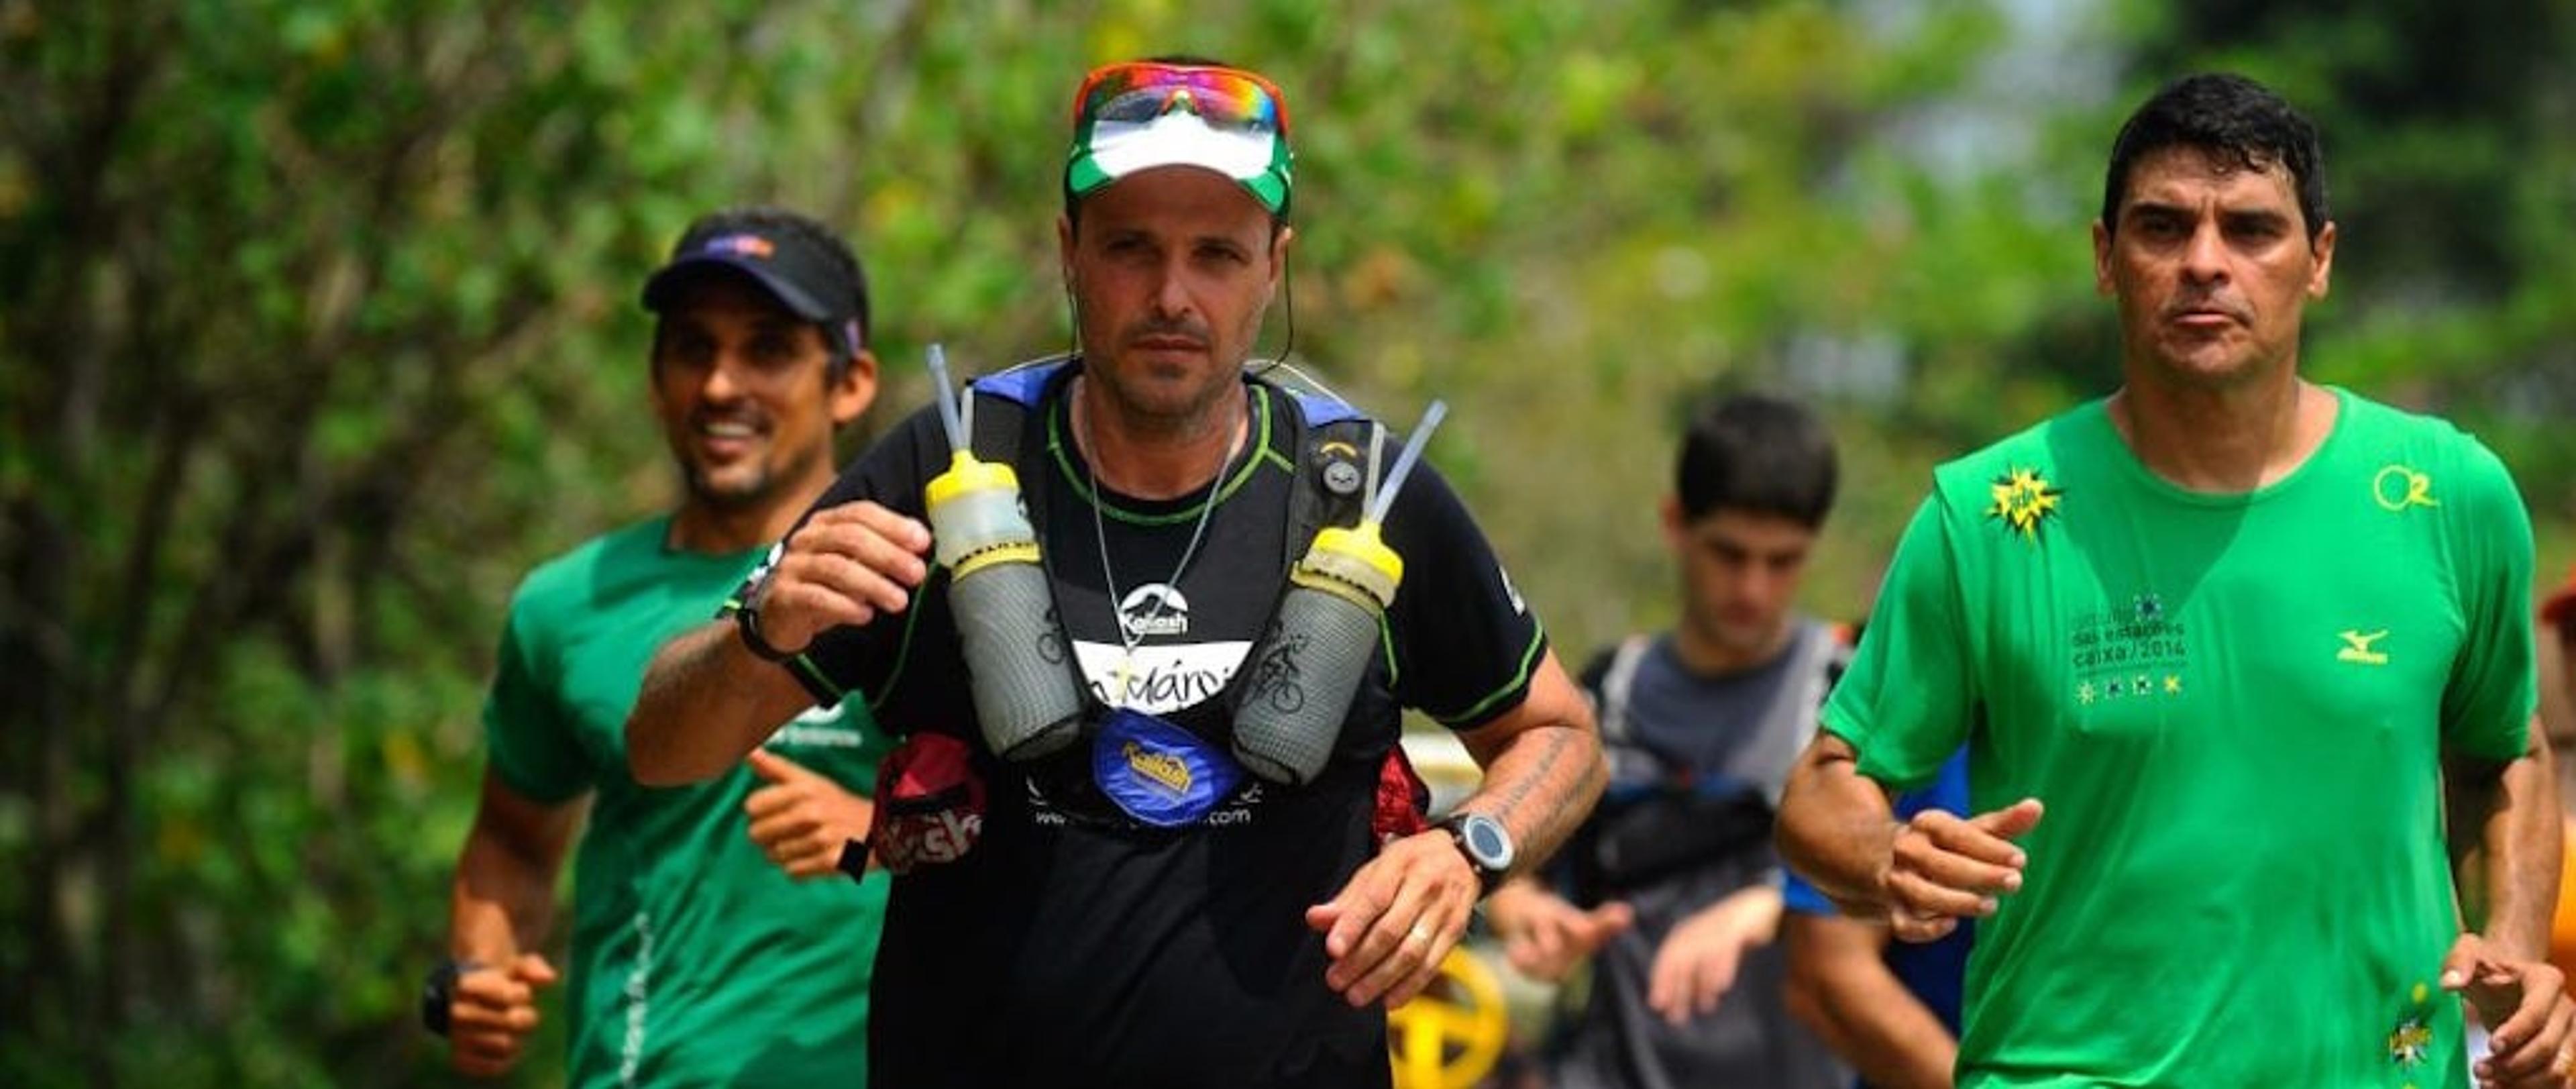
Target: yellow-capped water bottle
x=1309, y=664
x=1026, y=699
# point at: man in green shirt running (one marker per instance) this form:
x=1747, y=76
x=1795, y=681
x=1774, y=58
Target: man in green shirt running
x=705, y=950
x=2252, y=645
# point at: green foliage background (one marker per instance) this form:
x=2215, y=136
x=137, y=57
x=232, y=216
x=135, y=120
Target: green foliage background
x=317, y=328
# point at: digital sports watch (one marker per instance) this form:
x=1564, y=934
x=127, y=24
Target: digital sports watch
x=1485, y=842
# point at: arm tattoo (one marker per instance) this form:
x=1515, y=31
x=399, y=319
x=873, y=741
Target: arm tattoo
x=1564, y=792
x=1548, y=757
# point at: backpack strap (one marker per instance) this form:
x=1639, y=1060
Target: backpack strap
x=1617, y=682
x=1000, y=412
x=1024, y=384
x=1332, y=465
x=1332, y=454
x=1002, y=405
x=1333, y=440
x=1817, y=658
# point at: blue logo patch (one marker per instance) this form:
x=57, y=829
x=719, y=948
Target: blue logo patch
x=1160, y=773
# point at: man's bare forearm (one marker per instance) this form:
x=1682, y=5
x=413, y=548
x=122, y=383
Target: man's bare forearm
x=1839, y=987
x=1896, y=1043
x=1542, y=764
x=1541, y=785
x=2505, y=846
x=1836, y=826
x=706, y=701
x=501, y=906
x=503, y=899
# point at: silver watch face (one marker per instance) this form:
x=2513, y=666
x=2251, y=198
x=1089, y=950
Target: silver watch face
x=1486, y=841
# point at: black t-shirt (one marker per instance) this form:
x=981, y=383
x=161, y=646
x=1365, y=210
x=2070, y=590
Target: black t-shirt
x=1074, y=947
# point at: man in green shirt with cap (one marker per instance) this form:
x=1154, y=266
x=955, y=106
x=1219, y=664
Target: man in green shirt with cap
x=715, y=939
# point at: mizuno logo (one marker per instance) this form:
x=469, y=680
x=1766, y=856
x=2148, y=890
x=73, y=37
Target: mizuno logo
x=2356, y=647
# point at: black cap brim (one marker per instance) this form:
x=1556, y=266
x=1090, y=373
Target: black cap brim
x=663, y=290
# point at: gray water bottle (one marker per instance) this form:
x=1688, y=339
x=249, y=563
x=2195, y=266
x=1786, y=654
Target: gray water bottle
x=1309, y=665
x=1025, y=695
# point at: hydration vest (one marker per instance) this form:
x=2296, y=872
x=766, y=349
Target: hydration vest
x=1333, y=464
x=1332, y=448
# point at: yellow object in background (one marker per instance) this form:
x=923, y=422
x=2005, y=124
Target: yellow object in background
x=1450, y=1035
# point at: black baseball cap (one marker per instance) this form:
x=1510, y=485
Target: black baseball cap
x=794, y=266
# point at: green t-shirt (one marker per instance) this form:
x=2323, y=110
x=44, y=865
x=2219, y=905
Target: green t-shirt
x=695, y=960
x=2233, y=707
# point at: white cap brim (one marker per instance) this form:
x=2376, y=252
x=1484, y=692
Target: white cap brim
x=1179, y=138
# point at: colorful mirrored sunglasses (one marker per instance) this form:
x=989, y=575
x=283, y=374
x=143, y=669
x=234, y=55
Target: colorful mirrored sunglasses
x=1137, y=92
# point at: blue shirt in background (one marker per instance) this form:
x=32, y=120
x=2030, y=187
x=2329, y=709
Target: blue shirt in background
x=1935, y=971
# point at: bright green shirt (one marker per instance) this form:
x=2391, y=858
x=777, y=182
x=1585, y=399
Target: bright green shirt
x=2233, y=707
x=695, y=960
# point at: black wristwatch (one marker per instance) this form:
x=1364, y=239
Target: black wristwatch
x=746, y=620
x=1485, y=842
x=438, y=993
